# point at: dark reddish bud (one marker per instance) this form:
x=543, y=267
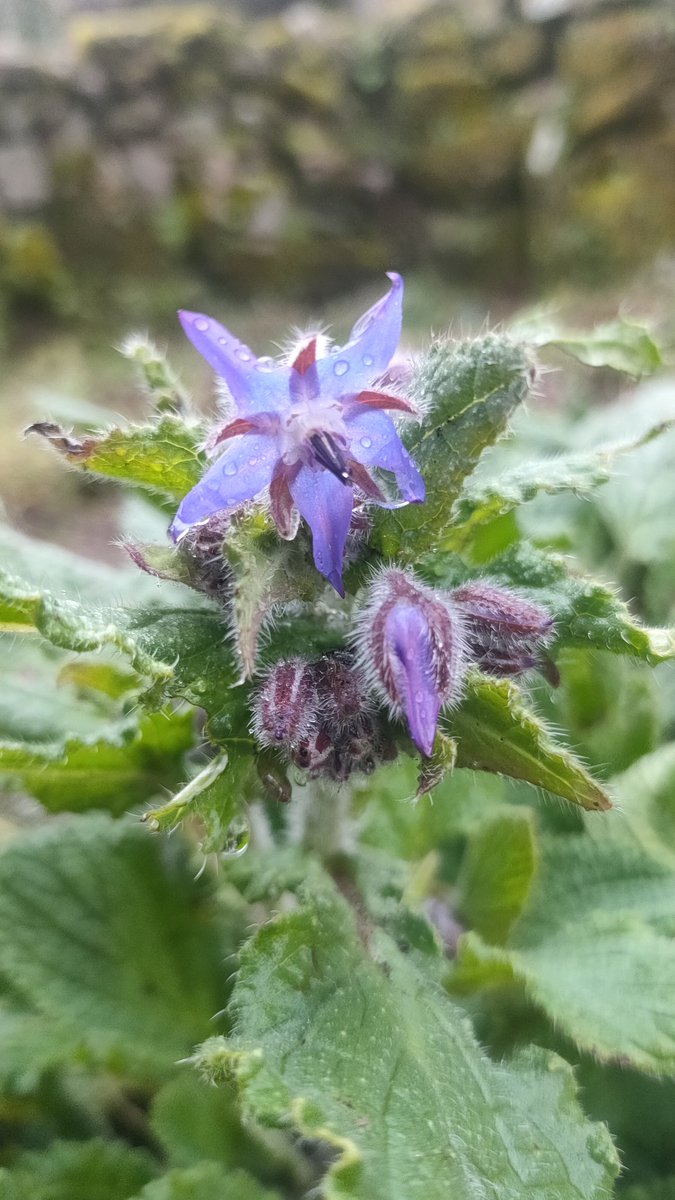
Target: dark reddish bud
x=411, y=648
x=202, y=546
x=286, y=707
x=341, y=689
x=507, y=635
x=198, y=561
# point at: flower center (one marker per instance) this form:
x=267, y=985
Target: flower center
x=314, y=433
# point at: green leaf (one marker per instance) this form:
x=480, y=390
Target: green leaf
x=206, y=1181
x=608, y=706
x=497, y=874
x=39, y=702
x=468, y=391
x=620, y=344
x=163, y=456
x=217, y=796
x=599, y=925
x=496, y=732
x=117, y=769
x=586, y=613
x=104, y=932
x=485, y=499
x=179, y=647
x=365, y=1052
x=94, y=1170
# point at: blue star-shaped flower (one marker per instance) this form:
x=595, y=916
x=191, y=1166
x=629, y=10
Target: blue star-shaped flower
x=311, y=430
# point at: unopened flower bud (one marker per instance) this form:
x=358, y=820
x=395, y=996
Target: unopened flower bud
x=506, y=634
x=411, y=648
x=286, y=707
x=341, y=688
x=203, y=548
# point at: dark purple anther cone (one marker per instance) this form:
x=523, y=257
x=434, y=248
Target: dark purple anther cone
x=411, y=648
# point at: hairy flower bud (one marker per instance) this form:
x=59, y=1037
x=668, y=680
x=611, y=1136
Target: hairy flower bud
x=342, y=694
x=506, y=634
x=286, y=706
x=412, y=649
x=203, y=548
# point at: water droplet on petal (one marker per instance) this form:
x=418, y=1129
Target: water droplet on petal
x=341, y=367
x=366, y=442
x=230, y=468
x=222, y=341
x=368, y=360
x=202, y=324
x=265, y=363
x=242, y=354
x=252, y=462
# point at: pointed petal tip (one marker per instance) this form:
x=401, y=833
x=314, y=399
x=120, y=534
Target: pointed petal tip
x=396, y=279
x=335, y=581
x=177, y=530
x=422, y=728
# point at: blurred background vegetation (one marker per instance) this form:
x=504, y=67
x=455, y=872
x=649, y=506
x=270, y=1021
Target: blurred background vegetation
x=272, y=160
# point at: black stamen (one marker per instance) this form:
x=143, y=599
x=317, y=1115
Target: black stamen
x=329, y=455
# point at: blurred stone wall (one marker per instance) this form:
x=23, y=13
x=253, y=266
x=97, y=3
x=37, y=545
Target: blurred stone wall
x=299, y=153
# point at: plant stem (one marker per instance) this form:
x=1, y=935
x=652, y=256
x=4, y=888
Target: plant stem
x=325, y=811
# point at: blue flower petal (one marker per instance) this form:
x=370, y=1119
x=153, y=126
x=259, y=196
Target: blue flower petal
x=257, y=385
x=371, y=346
x=326, y=505
x=243, y=469
x=410, y=645
x=374, y=442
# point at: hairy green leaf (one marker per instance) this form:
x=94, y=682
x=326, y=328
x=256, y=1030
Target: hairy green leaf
x=217, y=796
x=164, y=457
x=594, y=947
x=468, y=391
x=179, y=647
x=363, y=1051
x=621, y=344
x=484, y=499
x=496, y=731
x=586, y=613
x=116, y=769
x=104, y=932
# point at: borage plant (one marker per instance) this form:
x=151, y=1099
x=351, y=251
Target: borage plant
x=346, y=658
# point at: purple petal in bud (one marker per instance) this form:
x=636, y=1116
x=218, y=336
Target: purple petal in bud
x=411, y=646
x=507, y=635
x=409, y=671
x=286, y=707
